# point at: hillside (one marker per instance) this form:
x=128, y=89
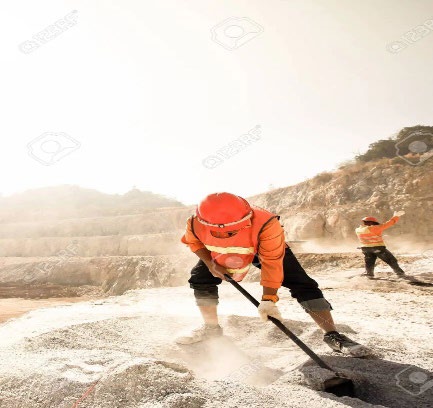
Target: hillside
x=330, y=205
x=124, y=246
x=68, y=201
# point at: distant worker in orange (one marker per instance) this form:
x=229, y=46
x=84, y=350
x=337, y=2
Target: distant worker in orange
x=229, y=235
x=373, y=246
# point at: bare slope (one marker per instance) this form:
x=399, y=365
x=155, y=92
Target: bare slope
x=330, y=205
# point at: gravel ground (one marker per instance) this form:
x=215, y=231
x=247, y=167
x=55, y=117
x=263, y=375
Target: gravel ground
x=120, y=351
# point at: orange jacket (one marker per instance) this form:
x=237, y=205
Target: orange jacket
x=265, y=237
x=371, y=235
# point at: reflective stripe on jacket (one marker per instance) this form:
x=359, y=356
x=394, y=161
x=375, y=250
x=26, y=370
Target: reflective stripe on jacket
x=371, y=235
x=235, y=253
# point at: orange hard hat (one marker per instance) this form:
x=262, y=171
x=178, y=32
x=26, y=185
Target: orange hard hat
x=373, y=219
x=224, y=212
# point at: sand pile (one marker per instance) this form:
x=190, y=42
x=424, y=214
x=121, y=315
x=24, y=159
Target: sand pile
x=119, y=352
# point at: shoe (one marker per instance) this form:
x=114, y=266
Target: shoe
x=341, y=343
x=202, y=333
x=368, y=275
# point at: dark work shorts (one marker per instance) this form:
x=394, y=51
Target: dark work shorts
x=301, y=286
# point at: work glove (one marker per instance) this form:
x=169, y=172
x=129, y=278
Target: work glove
x=268, y=308
x=399, y=213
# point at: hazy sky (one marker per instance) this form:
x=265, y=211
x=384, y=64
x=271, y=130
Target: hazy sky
x=142, y=93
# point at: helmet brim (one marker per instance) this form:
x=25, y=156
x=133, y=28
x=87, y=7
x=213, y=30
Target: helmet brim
x=245, y=222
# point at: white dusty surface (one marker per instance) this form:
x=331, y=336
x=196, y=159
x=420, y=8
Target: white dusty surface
x=120, y=351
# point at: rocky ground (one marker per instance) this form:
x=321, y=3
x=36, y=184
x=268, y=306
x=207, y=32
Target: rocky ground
x=48, y=277
x=119, y=351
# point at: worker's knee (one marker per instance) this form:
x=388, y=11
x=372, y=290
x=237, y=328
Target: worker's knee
x=206, y=296
x=316, y=305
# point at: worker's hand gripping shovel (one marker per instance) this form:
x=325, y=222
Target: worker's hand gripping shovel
x=338, y=385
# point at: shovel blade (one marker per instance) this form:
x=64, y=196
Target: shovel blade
x=340, y=386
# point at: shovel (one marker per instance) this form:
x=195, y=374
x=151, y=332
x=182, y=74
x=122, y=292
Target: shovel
x=338, y=385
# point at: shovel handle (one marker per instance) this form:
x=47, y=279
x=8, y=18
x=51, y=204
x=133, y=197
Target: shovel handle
x=281, y=326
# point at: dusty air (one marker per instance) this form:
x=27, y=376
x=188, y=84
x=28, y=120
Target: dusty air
x=216, y=204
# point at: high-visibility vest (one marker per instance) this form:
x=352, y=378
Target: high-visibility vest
x=369, y=238
x=235, y=253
